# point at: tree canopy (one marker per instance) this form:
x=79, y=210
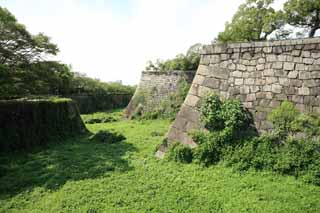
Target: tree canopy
x=190, y=61
x=254, y=21
x=304, y=14
x=24, y=69
x=18, y=46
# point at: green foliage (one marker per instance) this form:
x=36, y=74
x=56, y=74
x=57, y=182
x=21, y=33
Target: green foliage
x=107, y=136
x=279, y=151
x=80, y=176
x=304, y=14
x=217, y=115
x=77, y=175
x=180, y=153
x=287, y=120
x=24, y=70
x=103, y=117
x=283, y=116
x=18, y=46
x=254, y=21
x=190, y=61
x=83, y=84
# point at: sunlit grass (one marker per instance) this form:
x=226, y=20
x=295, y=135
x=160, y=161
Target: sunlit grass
x=82, y=176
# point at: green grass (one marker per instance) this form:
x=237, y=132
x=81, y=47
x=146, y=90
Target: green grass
x=116, y=114
x=83, y=176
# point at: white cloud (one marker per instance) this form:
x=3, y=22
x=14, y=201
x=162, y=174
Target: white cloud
x=111, y=45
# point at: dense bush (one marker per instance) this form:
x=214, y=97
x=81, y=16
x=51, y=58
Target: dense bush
x=180, y=153
x=232, y=140
x=107, y=136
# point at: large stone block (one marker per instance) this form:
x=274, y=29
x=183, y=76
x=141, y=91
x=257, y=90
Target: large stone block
x=218, y=72
x=276, y=88
x=192, y=100
x=238, y=81
x=198, y=79
x=289, y=66
x=211, y=83
x=203, y=91
x=189, y=113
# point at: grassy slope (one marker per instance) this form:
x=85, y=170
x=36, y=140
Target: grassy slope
x=83, y=176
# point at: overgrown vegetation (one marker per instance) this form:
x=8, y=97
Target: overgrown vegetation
x=81, y=176
x=232, y=140
x=190, y=61
x=180, y=153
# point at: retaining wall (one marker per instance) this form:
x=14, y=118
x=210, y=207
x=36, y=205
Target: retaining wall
x=259, y=74
x=158, y=86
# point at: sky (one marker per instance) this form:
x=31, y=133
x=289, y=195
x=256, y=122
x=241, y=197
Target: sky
x=113, y=39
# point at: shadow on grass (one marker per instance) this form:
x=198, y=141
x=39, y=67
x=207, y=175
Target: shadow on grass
x=76, y=159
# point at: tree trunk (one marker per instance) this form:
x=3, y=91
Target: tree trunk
x=313, y=31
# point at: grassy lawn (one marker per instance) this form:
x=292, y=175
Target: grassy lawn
x=82, y=176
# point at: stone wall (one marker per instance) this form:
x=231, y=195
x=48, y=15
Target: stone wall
x=259, y=74
x=158, y=86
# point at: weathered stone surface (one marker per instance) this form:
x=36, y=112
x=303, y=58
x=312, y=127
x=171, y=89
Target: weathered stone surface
x=192, y=100
x=160, y=85
x=276, y=88
x=198, y=79
x=271, y=80
x=304, y=75
x=238, y=81
x=249, y=81
x=277, y=65
x=218, y=72
x=237, y=74
x=211, y=83
x=289, y=66
x=268, y=72
x=293, y=74
x=251, y=97
x=203, y=91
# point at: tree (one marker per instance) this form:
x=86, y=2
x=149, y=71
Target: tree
x=254, y=21
x=304, y=14
x=18, y=46
x=190, y=61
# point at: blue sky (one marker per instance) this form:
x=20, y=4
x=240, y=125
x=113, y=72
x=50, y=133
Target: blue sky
x=113, y=39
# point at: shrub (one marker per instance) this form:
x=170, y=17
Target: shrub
x=107, y=136
x=230, y=139
x=283, y=116
x=180, y=153
x=210, y=113
x=217, y=115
